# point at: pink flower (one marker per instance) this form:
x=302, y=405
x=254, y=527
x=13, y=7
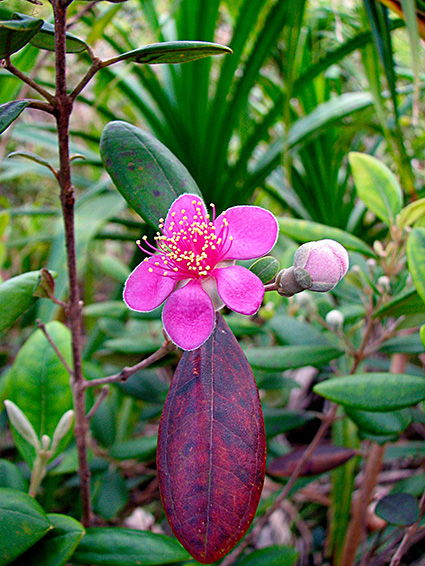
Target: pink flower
x=325, y=261
x=193, y=267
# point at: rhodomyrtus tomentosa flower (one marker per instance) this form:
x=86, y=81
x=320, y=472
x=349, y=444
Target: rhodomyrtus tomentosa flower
x=193, y=267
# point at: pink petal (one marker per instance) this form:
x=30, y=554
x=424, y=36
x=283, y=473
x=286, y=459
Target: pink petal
x=254, y=231
x=188, y=316
x=184, y=205
x=240, y=289
x=145, y=290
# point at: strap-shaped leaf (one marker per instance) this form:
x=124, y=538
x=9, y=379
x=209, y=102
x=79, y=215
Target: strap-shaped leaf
x=15, y=34
x=172, y=52
x=45, y=38
x=145, y=172
x=9, y=111
x=211, y=447
x=416, y=259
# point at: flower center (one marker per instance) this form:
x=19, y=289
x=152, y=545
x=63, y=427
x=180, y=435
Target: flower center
x=191, y=244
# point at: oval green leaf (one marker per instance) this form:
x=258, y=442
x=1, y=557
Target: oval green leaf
x=15, y=34
x=271, y=556
x=415, y=251
x=39, y=384
x=381, y=392
x=282, y=358
x=145, y=172
x=305, y=231
x=57, y=546
x=380, y=424
x=143, y=449
x=9, y=111
x=16, y=296
x=377, y=186
x=22, y=523
x=172, y=52
x=11, y=476
x=411, y=213
x=45, y=38
x=100, y=545
x=280, y=421
x=265, y=268
x=400, y=509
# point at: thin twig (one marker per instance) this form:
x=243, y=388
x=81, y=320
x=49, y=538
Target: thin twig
x=260, y=524
x=104, y=392
x=43, y=328
x=95, y=67
x=126, y=372
x=14, y=71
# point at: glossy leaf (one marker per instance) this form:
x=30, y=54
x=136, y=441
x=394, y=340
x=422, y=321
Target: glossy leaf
x=22, y=523
x=211, y=447
x=11, y=476
x=411, y=213
x=270, y=556
x=288, y=357
x=143, y=448
x=305, y=231
x=323, y=459
x=265, y=268
x=15, y=34
x=415, y=251
x=405, y=303
x=45, y=38
x=377, y=186
x=10, y=111
x=39, y=384
x=400, y=509
x=381, y=392
x=16, y=296
x=280, y=421
x=173, y=52
x=100, y=545
x=57, y=546
x=145, y=172
x=381, y=424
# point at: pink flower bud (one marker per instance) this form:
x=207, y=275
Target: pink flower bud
x=325, y=261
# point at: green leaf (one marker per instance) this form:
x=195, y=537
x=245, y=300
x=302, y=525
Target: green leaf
x=15, y=34
x=172, y=52
x=415, y=251
x=381, y=392
x=280, y=421
x=110, y=494
x=22, y=523
x=422, y=334
x=57, y=546
x=400, y=509
x=11, y=476
x=10, y=111
x=145, y=172
x=411, y=213
x=39, y=384
x=405, y=303
x=380, y=424
x=45, y=38
x=143, y=448
x=265, y=268
x=104, y=546
x=305, y=231
x=287, y=357
x=16, y=296
x=271, y=556
x=377, y=186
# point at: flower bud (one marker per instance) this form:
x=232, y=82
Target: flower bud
x=62, y=428
x=325, y=261
x=335, y=320
x=22, y=424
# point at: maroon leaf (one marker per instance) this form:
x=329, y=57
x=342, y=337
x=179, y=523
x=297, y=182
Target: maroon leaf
x=211, y=447
x=323, y=459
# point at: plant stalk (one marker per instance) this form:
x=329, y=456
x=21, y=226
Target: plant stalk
x=62, y=111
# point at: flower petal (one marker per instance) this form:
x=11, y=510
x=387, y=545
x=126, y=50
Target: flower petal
x=240, y=289
x=145, y=290
x=184, y=206
x=254, y=231
x=188, y=316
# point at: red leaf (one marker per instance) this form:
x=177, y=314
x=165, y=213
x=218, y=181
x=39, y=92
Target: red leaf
x=211, y=447
x=323, y=459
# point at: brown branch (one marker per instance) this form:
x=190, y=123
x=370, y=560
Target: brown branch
x=126, y=372
x=96, y=66
x=104, y=392
x=260, y=524
x=30, y=82
x=43, y=328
